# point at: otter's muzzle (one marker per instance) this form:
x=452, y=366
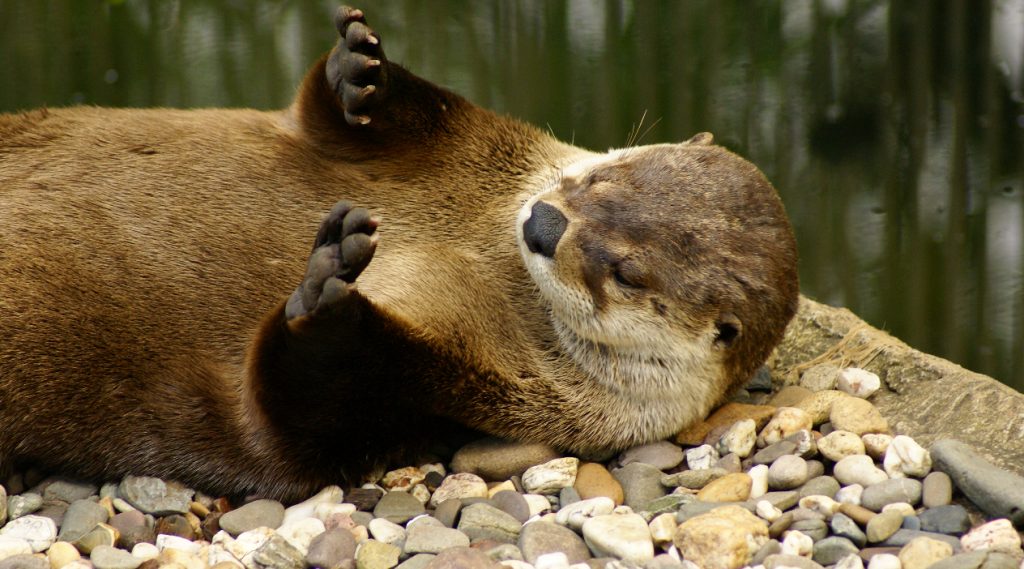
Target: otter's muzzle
x=544, y=229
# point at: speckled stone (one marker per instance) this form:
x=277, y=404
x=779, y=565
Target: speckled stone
x=331, y=548
x=723, y=417
x=858, y=416
x=923, y=552
x=376, y=555
x=552, y=476
x=727, y=537
x=883, y=525
x=729, y=488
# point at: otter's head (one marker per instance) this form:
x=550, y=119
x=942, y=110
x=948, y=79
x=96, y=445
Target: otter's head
x=669, y=269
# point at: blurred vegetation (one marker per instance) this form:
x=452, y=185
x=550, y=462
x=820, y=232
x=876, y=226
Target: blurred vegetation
x=893, y=129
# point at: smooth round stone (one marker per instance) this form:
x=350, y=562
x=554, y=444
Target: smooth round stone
x=771, y=453
x=876, y=444
x=787, y=472
x=513, y=504
x=460, y=558
x=102, y=534
x=430, y=539
x=258, y=513
x=758, y=481
x=574, y=515
x=820, y=377
x=785, y=422
x=771, y=547
x=447, y=511
x=69, y=490
x=398, y=507
x=106, y=557
x=951, y=520
x=23, y=504
x=568, y=495
x=143, y=551
x=133, y=528
x=641, y=483
x=858, y=469
x=331, y=548
x=739, y=439
x=905, y=457
x=25, y=561
x=702, y=457
x=850, y=494
x=997, y=535
x=385, y=531
x=483, y=521
x=175, y=525
x=814, y=529
x=729, y=488
x=923, y=552
x=61, y=553
x=885, y=561
x=730, y=463
x=154, y=496
x=820, y=486
x=766, y=511
x=858, y=416
x=830, y=550
x=783, y=500
x=911, y=522
x=81, y=516
x=859, y=514
x=594, y=480
x=663, y=528
x=540, y=538
x=978, y=560
x=11, y=546
x=40, y=532
x=937, y=490
x=844, y=526
x=373, y=554
x=796, y=542
x=838, y=445
x=418, y=561
x=462, y=486
x=693, y=479
x=550, y=477
x=884, y=525
x=331, y=496
x=781, y=525
x=877, y=496
x=624, y=536
x=785, y=561
x=492, y=458
x=858, y=382
x=997, y=492
x=662, y=455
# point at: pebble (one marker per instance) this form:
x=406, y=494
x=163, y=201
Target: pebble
x=459, y=558
x=844, y=526
x=820, y=377
x=512, y=503
x=400, y=507
x=798, y=543
x=462, y=486
x=771, y=453
x=550, y=477
x=838, y=445
x=540, y=538
x=783, y=561
x=574, y=515
x=978, y=560
x=850, y=494
x=132, y=528
x=483, y=521
x=331, y=548
x=144, y=551
x=877, y=496
x=830, y=550
x=922, y=552
x=364, y=499
x=376, y=555
x=722, y=418
x=787, y=472
x=820, y=486
x=739, y=439
x=69, y=491
x=858, y=469
x=996, y=492
x=876, y=444
x=758, y=480
x=432, y=539
x=154, y=496
x=997, y=535
x=952, y=519
x=23, y=504
x=624, y=536
x=821, y=504
x=858, y=382
x=102, y=534
x=785, y=422
x=729, y=488
x=819, y=405
x=884, y=525
x=815, y=529
x=904, y=536
x=258, y=513
x=662, y=455
x=61, y=553
x=702, y=457
x=568, y=495
x=885, y=561
x=388, y=532
x=25, y=561
x=328, y=496
x=905, y=457
x=857, y=415
x=641, y=483
x=766, y=511
x=418, y=561
x=937, y=490
x=11, y=546
x=40, y=532
x=492, y=458
x=693, y=479
x=106, y=557
x=727, y=537
x=594, y=480
x=663, y=528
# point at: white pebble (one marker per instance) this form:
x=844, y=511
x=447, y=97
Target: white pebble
x=785, y=422
x=554, y=560
x=884, y=561
x=759, y=481
x=538, y=504
x=851, y=561
x=858, y=469
x=421, y=493
x=122, y=506
x=838, y=445
x=217, y=553
x=166, y=541
x=461, y=485
x=858, y=382
x=551, y=477
x=766, y=511
x=515, y=564
x=10, y=546
x=997, y=535
x=324, y=511
x=307, y=508
x=145, y=551
x=905, y=457
x=573, y=515
x=663, y=528
x=822, y=504
x=387, y=532
x=850, y=494
x=39, y=531
x=301, y=532
x=876, y=444
x=739, y=439
x=797, y=543
x=702, y=457
x=623, y=536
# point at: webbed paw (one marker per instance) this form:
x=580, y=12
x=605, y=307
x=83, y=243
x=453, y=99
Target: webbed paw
x=357, y=68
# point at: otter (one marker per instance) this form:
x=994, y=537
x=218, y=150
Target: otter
x=162, y=312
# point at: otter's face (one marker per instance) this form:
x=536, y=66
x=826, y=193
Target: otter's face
x=667, y=268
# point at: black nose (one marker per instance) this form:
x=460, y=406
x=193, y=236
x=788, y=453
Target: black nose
x=544, y=228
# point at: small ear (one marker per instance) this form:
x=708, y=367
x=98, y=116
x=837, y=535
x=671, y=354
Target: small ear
x=729, y=329
x=701, y=139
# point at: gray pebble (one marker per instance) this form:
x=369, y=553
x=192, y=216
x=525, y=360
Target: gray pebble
x=513, y=504
x=24, y=561
x=729, y=463
x=693, y=479
x=995, y=491
x=448, y=511
x=911, y=522
x=787, y=472
x=504, y=552
x=977, y=560
x=154, y=496
x=483, y=521
x=820, y=486
x=69, y=490
x=772, y=452
x=80, y=518
x=23, y=504
x=398, y=507
x=951, y=520
x=830, y=550
x=662, y=455
x=538, y=538
x=134, y=528
x=362, y=518
x=418, y=561
x=937, y=490
x=640, y=482
x=790, y=561
x=329, y=549
x=815, y=468
x=431, y=539
x=568, y=495
x=107, y=557
x=663, y=561
x=783, y=499
x=770, y=547
x=877, y=496
x=279, y=553
x=800, y=514
x=814, y=529
x=903, y=537
x=258, y=513
x=843, y=526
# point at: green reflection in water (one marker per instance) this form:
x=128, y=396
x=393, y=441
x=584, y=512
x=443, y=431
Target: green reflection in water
x=894, y=130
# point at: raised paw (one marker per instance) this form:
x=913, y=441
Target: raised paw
x=344, y=246
x=357, y=68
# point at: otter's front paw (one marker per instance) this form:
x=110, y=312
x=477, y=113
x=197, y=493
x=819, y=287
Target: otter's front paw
x=344, y=246
x=357, y=68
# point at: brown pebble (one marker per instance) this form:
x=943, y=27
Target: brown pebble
x=175, y=525
x=790, y=396
x=868, y=552
x=199, y=509
x=210, y=525
x=222, y=505
x=859, y=514
x=364, y=498
x=780, y=525
x=593, y=480
x=729, y=488
x=937, y=490
x=725, y=415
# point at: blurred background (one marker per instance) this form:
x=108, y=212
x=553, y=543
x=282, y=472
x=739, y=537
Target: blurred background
x=894, y=130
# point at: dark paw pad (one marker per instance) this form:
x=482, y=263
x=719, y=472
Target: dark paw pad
x=344, y=247
x=357, y=68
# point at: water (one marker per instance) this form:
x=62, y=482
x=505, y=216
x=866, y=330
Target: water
x=893, y=130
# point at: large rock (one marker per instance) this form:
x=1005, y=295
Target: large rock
x=923, y=396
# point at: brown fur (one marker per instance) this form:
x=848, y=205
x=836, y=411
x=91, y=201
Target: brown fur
x=145, y=257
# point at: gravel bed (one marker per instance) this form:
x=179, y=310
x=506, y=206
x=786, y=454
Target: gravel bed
x=812, y=478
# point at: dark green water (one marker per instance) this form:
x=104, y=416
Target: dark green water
x=894, y=130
